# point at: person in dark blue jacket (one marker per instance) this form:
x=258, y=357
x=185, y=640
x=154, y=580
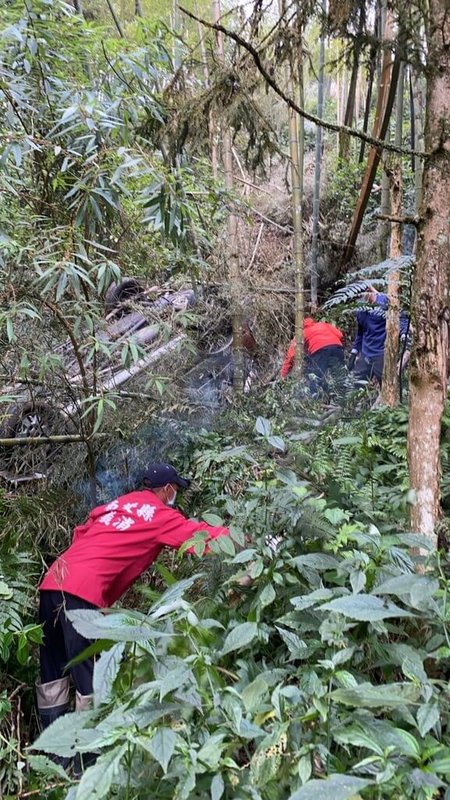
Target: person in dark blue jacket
x=367, y=355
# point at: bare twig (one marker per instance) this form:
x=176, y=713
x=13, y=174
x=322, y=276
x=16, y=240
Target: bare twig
x=255, y=249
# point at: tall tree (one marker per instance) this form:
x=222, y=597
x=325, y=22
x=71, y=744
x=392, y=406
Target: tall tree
x=390, y=388
x=344, y=139
x=233, y=242
x=385, y=100
x=294, y=80
x=317, y=169
x=428, y=374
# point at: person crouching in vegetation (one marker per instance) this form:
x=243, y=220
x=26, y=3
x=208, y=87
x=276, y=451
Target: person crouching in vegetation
x=108, y=553
x=324, y=350
x=367, y=354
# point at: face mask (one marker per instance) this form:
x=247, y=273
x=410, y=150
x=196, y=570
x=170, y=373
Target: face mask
x=172, y=500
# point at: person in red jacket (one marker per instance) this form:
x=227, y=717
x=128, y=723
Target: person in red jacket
x=324, y=350
x=108, y=553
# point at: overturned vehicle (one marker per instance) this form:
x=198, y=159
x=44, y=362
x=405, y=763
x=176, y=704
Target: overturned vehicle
x=141, y=327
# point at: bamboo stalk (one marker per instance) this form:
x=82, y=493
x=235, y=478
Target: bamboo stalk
x=317, y=171
x=68, y=438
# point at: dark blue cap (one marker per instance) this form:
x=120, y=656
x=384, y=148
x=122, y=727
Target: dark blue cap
x=156, y=475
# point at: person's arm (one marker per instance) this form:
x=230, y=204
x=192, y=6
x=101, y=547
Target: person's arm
x=288, y=362
x=381, y=300
x=357, y=342
x=176, y=529
x=404, y=328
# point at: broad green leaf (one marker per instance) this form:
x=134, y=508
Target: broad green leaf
x=213, y=519
x=118, y=627
x=176, y=591
x=365, y=607
x=297, y=647
x=67, y=734
x=357, y=736
x=266, y=596
x=217, y=787
x=47, y=767
x=240, y=636
x=319, y=561
x=304, y=768
x=441, y=763
x=311, y=599
x=390, y=695
x=335, y=787
x=428, y=716
x=223, y=544
x=105, y=672
x=277, y=442
x=263, y=426
x=253, y=694
x=210, y=753
x=244, y=556
x=5, y=591
x=96, y=782
x=412, y=588
x=162, y=746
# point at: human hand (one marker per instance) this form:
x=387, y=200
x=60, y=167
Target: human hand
x=403, y=361
x=351, y=361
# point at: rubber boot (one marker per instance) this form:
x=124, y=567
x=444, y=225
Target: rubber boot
x=53, y=702
x=83, y=702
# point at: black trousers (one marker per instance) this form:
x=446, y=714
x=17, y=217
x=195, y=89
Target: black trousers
x=327, y=368
x=62, y=642
x=366, y=369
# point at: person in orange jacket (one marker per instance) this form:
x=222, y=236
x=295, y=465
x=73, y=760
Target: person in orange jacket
x=324, y=350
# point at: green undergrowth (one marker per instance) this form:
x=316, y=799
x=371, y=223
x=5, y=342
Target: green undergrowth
x=326, y=676
x=331, y=666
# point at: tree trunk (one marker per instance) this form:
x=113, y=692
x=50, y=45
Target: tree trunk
x=370, y=77
x=294, y=78
x=418, y=137
x=233, y=244
x=211, y=122
x=385, y=101
x=390, y=387
x=317, y=170
x=428, y=374
x=344, y=139
x=385, y=209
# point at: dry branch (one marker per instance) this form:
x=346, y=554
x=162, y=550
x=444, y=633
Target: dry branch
x=68, y=438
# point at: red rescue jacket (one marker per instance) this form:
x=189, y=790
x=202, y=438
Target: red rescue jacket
x=316, y=336
x=117, y=543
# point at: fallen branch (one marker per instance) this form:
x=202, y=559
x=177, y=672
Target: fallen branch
x=68, y=438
